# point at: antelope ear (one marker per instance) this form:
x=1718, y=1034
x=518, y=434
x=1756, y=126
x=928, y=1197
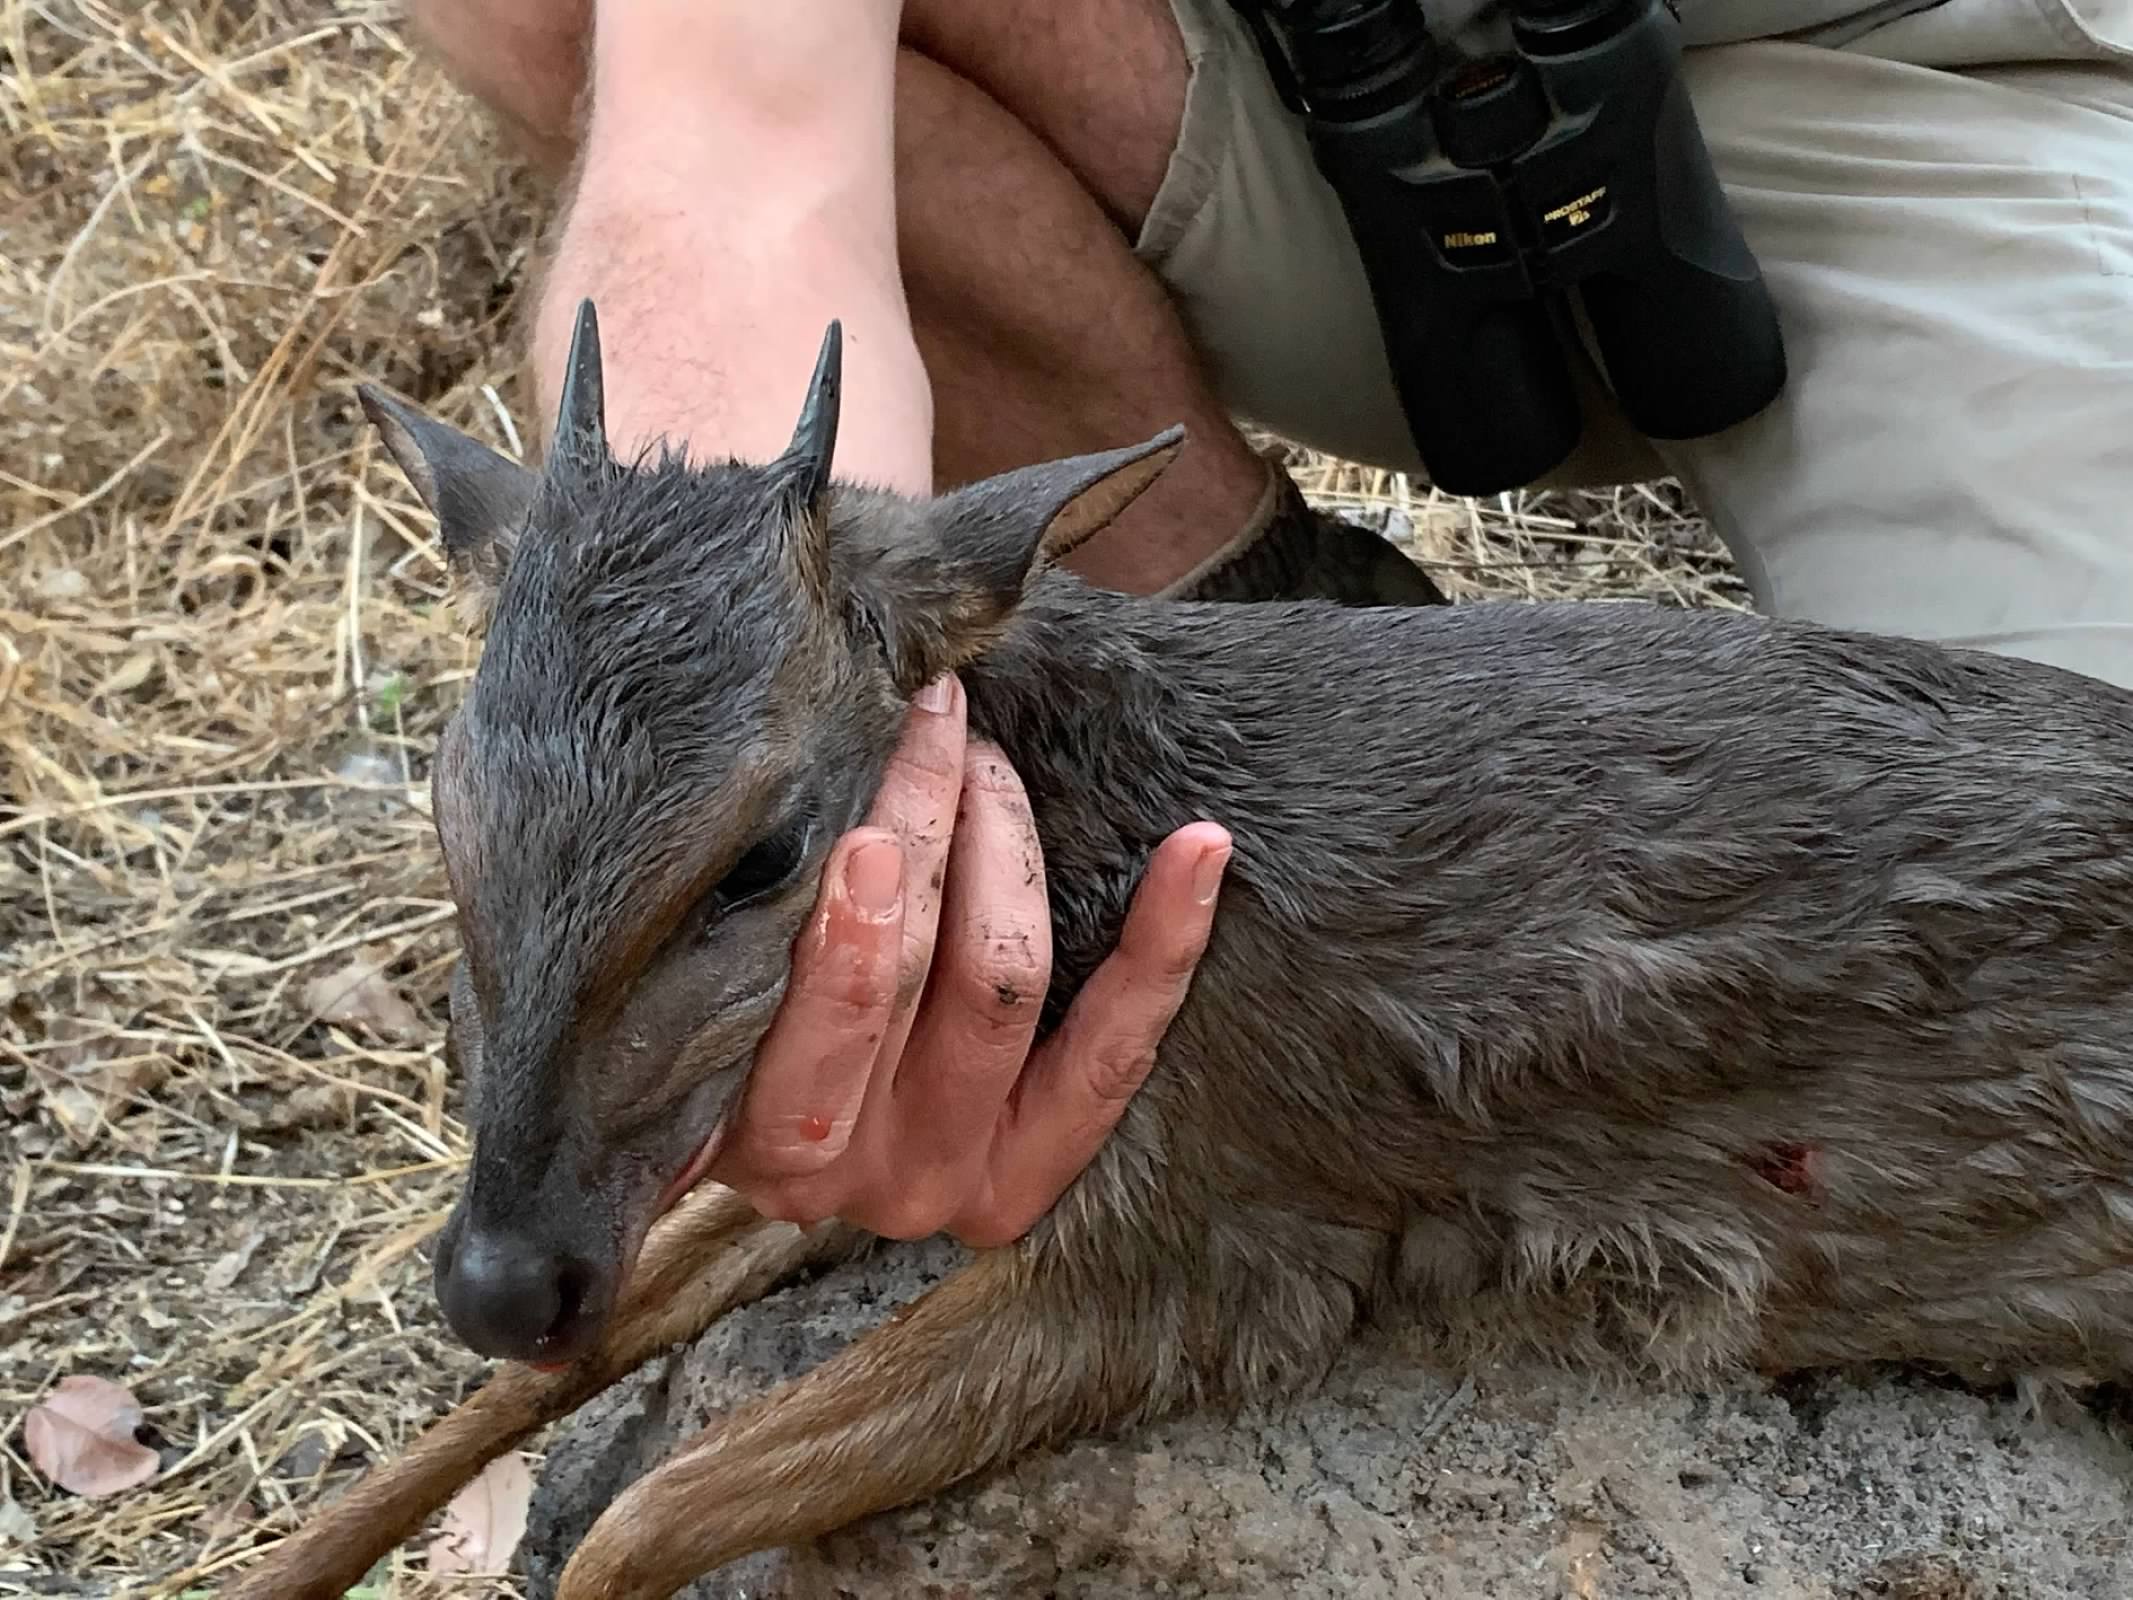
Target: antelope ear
x=1001, y=530
x=937, y=593
x=479, y=498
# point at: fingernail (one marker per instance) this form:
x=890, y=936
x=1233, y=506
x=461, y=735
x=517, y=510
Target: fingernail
x=938, y=696
x=1207, y=873
x=874, y=877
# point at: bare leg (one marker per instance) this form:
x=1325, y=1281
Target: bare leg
x=526, y=62
x=1042, y=335
x=994, y=310
x=735, y=190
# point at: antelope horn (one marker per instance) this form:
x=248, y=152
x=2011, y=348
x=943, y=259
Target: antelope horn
x=814, y=441
x=581, y=419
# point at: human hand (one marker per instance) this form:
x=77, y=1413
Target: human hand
x=897, y=1088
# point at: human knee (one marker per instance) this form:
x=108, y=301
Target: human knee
x=467, y=31
x=524, y=59
x=1101, y=82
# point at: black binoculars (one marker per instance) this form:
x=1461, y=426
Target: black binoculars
x=1492, y=199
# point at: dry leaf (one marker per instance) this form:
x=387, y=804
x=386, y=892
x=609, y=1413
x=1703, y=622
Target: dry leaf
x=308, y=1105
x=360, y=995
x=129, y=1078
x=370, y=768
x=76, y=1111
x=307, y=1456
x=100, y=1074
x=81, y=1436
x=228, y=1267
x=135, y=671
x=17, y=1526
x=85, y=1038
x=485, y=1520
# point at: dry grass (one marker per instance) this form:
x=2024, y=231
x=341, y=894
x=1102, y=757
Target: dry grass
x=224, y=658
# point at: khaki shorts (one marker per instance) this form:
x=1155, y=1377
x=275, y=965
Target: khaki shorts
x=1941, y=196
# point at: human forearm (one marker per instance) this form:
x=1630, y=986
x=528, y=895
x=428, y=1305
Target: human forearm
x=735, y=192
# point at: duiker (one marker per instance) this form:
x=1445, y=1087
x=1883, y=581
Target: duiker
x=1624, y=984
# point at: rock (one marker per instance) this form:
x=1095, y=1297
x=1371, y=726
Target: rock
x=1397, y=1479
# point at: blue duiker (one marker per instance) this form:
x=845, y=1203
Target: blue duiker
x=1670, y=989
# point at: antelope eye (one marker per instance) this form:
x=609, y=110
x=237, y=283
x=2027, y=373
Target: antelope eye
x=765, y=868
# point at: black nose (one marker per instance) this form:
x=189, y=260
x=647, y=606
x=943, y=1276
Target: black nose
x=510, y=1298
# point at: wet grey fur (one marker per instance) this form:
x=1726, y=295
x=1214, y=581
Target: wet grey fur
x=1607, y=983
x=1545, y=923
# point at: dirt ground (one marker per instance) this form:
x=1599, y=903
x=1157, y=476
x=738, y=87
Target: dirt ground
x=225, y=654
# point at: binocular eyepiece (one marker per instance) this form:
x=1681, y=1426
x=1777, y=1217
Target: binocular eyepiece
x=1494, y=199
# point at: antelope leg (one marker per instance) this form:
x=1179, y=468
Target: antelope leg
x=709, y=1255
x=979, y=1368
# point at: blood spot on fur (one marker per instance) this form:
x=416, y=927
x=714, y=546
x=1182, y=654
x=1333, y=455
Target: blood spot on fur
x=1794, y=1168
x=814, y=1129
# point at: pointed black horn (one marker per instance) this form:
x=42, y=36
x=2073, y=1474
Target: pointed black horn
x=581, y=420
x=814, y=441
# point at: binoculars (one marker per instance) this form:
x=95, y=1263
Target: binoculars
x=1504, y=204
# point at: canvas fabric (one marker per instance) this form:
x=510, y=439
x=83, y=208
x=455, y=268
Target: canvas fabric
x=1940, y=193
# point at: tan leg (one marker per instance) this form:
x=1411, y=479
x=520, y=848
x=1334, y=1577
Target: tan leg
x=711, y=1254
x=982, y=1367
